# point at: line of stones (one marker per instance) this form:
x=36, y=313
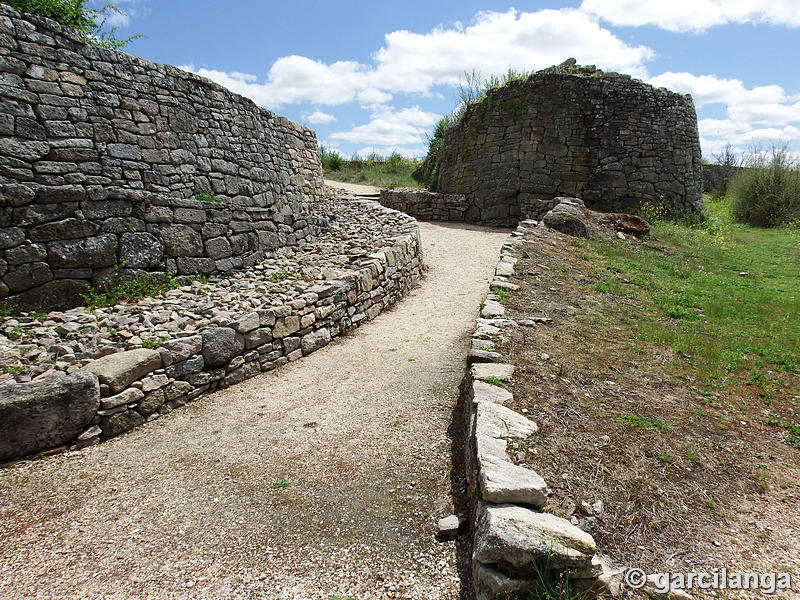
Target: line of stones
x=512, y=538
x=438, y=206
x=123, y=390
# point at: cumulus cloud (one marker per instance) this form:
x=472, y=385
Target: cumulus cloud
x=755, y=116
x=319, y=118
x=416, y=62
x=389, y=128
x=694, y=15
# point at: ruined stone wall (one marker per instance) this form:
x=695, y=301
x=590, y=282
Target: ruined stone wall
x=104, y=158
x=610, y=140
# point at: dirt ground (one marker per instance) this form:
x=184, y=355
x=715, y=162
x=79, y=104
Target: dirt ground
x=680, y=492
x=320, y=480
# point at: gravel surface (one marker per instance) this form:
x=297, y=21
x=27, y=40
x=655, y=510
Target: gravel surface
x=321, y=479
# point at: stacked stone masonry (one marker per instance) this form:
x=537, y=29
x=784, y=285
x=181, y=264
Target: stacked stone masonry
x=574, y=131
x=512, y=534
x=104, y=160
x=118, y=367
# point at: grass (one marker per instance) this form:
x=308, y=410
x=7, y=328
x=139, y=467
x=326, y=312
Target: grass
x=680, y=350
x=129, y=291
x=205, y=197
x=493, y=381
x=383, y=172
x=725, y=294
x=281, y=483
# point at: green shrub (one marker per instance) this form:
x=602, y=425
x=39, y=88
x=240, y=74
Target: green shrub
x=331, y=159
x=91, y=22
x=767, y=193
x=129, y=291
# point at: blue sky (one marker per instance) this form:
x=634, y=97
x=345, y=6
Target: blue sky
x=377, y=76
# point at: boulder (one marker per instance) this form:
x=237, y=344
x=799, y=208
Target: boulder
x=220, y=345
x=630, y=224
x=45, y=414
x=566, y=221
x=99, y=251
x=120, y=369
x=516, y=538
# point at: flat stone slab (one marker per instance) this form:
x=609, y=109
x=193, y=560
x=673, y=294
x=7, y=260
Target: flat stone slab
x=505, y=268
x=487, y=392
x=45, y=414
x=497, y=421
x=516, y=538
x=503, y=482
x=120, y=369
x=483, y=371
x=492, y=309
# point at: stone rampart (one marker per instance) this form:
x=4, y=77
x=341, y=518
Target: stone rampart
x=611, y=140
x=105, y=159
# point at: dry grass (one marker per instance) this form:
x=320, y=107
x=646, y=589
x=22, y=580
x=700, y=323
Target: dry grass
x=689, y=475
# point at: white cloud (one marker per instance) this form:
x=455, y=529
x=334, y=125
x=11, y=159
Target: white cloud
x=694, y=15
x=319, y=118
x=373, y=97
x=414, y=62
x=408, y=126
x=709, y=89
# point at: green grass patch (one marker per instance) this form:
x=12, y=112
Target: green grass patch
x=379, y=171
x=129, y=291
x=642, y=422
x=722, y=294
x=281, y=483
x=494, y=381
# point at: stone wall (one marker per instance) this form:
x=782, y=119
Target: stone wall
x=104, y=158
x=85, y=377
x=571, y=131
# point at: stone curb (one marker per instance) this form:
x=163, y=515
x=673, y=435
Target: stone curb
x=510, y=534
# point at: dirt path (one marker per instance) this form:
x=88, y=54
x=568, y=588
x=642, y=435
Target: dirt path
x=192, y=505
x=353, y=188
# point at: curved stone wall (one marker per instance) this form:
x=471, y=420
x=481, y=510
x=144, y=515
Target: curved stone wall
x=610, y=140
x=105, y=159
x=75, y=378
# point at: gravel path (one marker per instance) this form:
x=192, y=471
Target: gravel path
x=322, y=479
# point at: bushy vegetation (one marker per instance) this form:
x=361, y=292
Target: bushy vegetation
x=91, y=22
x=381, y=171
x=767, y=192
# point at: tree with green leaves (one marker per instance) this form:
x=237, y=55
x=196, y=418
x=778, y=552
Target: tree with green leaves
x=91, y=22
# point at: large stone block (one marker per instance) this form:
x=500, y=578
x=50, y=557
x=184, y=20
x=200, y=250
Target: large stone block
x=140, y=250
x=220, y=345
x=99, y=251
x=181, y=240
x=45, y=414
x=120, y=369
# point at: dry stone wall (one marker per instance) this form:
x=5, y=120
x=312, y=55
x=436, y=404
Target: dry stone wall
x=103, y=157
x=86, y=376
x=610, y=140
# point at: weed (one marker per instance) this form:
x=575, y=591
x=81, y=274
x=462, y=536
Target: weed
x=549, y=584
x=153, y=343
x=39, y=316
x=12, y=369
x=16, y=333
x=7, y=310
x=494, y=381
x=281, y=483
x=128, y=291
x=206, y=197
x=642, y=422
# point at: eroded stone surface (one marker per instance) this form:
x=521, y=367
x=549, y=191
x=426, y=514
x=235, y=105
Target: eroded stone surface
x=119, y=370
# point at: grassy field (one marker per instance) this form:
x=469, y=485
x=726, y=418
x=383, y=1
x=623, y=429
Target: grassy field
x=383, y=172
x=667, y=386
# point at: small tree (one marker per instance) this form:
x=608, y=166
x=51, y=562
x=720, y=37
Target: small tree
x=92, y=22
